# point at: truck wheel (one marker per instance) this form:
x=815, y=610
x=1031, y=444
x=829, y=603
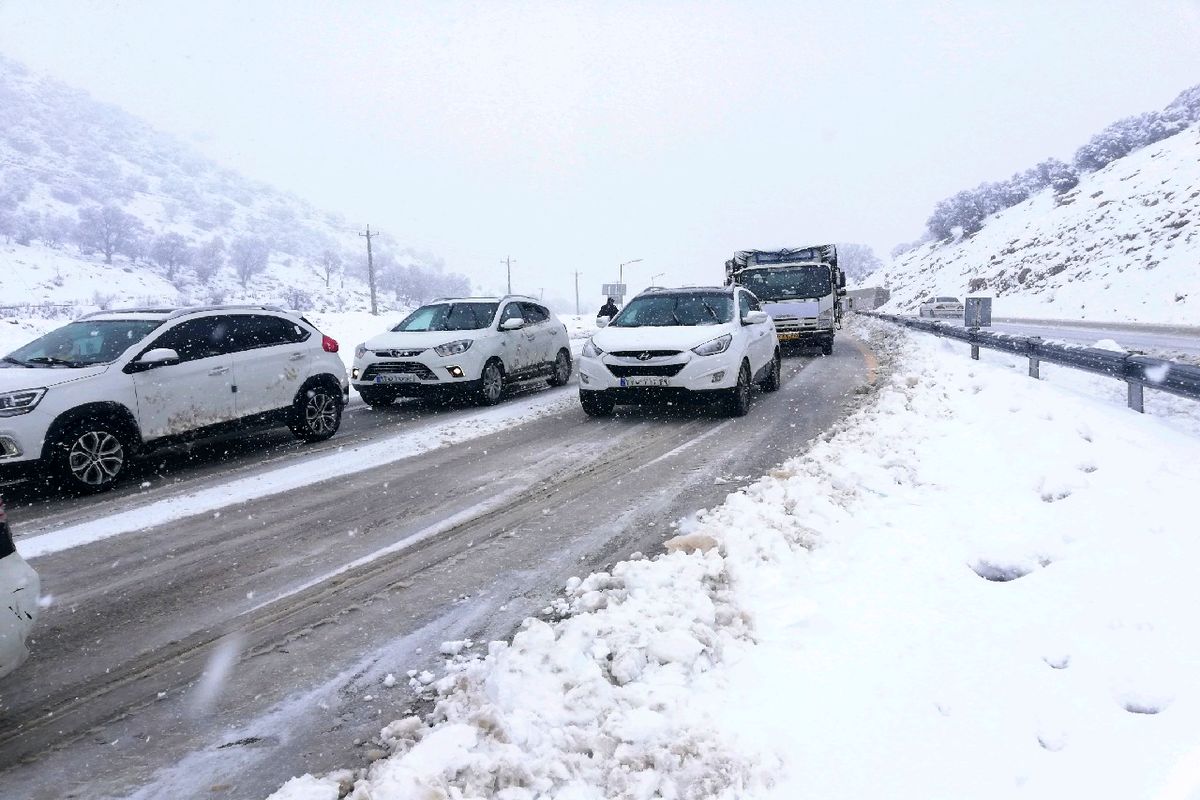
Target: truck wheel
x=737, y=403
x=91, y=455
x=827, y=347
x=773, y=380
x=596, y=404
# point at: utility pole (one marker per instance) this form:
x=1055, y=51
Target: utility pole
x=508, y=262
x=577, y=293
x=371, y=270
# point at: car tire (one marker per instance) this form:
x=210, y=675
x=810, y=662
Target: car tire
x=316, y=413
x=596, y=404
x=491, y=383
x=774, y=378
x=91, y=455
x=737, y=402
x=375, y=398
x=562, y=368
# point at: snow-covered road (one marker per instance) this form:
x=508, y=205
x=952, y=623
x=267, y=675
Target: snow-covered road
x=294, y=605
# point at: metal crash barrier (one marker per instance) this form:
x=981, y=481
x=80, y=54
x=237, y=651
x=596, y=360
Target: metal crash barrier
x=1139, y=372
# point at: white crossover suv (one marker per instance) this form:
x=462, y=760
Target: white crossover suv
x=19, y=590
x=675, y=344
x=83, y=399
x=463, y=346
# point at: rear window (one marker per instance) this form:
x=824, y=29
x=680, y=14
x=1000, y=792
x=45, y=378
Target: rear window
x=947, y=300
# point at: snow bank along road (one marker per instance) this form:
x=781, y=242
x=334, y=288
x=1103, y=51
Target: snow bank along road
x=219, y=654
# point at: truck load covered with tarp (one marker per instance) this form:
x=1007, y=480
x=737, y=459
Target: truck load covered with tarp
x=799, y=288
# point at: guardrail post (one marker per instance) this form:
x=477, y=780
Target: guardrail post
x=975, y=352
x=1035, y=363
x=1135, y=396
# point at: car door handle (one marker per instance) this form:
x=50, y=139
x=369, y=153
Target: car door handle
x=219, y=371
x=295, y=356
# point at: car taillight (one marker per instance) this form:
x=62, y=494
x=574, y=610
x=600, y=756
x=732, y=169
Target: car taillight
x=329, y=345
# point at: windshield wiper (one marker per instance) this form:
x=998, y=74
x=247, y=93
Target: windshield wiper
x=16, y=361
x=55, y=360
x=712, y=311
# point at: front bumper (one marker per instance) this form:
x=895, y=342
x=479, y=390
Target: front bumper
x=422, y=374
x=686, y=372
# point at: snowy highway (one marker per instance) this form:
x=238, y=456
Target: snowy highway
x=221, y=652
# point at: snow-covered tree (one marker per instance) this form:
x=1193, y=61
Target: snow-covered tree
x=209, y=259
x=172, y=253
x=107, y=229
x=249, y=256
x=857, y=260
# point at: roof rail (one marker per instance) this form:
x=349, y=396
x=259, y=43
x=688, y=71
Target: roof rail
x=172, y=313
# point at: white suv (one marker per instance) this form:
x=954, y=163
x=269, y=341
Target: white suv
x=19, y=592
x=672, y=344
x=83, y=399
x=468, y=345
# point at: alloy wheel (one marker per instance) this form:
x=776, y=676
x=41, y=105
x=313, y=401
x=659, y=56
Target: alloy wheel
x=320, y=414
x=492, y=382
x=96, y=458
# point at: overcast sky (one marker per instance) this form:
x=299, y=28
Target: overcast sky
x=574, y=136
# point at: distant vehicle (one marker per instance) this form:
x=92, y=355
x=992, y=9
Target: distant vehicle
x=19, y=592
x=941, y=307
x=84, y=399
x=681, y=344
x=799, y=288
x=464, y=346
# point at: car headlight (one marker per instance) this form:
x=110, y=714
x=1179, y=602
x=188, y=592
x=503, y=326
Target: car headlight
x=590, y=350
x=717, y=345
x=360, y=351
x=453, y=348
x=21, y=402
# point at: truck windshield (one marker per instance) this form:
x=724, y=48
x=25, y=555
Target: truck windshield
x=787, y=283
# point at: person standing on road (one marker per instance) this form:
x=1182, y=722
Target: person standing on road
x=609, y=309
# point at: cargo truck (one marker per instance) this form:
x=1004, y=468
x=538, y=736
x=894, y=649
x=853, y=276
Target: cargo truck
x=800, y=288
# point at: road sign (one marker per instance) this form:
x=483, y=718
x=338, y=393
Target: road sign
x=616, y=290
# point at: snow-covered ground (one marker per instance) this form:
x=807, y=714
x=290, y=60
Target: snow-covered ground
x=1122, y=247
x=979, y=585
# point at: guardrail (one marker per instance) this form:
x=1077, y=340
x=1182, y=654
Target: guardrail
x=1139, y=372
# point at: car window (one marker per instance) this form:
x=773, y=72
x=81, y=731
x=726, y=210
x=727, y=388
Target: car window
x=203, y=337
x=947, y=299
x=511, y=311
x=752, y=302
x=84, y=343
x=252, y=331
x=449, y=317
x=534, y=313
x=700, y=308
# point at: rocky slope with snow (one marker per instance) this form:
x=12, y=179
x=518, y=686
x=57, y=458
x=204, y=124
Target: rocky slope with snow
x=1123, y=245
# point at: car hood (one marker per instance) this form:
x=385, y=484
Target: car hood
x=418, y=340
x=657, y=338
x=792, y=308
x=14, y=378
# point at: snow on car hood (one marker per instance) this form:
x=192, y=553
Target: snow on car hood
x=14, y=378
x=683, y=337
x=418, y=340
x=792, y=308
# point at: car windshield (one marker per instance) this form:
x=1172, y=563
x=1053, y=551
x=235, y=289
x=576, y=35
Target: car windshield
x=787, y=283
x=83, y=344
x=947, y=300
x=658, y=310
x=449, y=317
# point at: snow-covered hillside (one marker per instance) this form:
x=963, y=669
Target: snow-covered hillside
x=1124, y=245
x=176, y=223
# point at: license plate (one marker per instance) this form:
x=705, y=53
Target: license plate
x=787, y=337
x=399, y=377
x=645, y=380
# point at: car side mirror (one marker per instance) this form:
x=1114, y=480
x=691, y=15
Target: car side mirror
x=514, y=324
x=157, y=358
x=602, y=322
x=755, y=317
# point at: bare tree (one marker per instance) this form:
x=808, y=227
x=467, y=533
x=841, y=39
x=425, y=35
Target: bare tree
x=329, y=263
x=172, y=254
x=56, y=229
x=29, y=227
x=209, y=259
x=249, y=255
x=109, y=230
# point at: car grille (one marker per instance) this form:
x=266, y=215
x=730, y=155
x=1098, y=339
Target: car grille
x=398, y=367
x=650, y=353
x=645, y=370
x=398, y=353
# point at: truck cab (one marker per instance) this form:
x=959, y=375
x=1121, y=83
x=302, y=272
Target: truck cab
x=799, y=288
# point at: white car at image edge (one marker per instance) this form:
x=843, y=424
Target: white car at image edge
x=465, y=346
x=19, y=592
x=681, y=344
